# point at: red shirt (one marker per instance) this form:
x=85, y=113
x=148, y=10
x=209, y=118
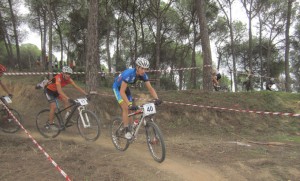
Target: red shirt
x=58, y=80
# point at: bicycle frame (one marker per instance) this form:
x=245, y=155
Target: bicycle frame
x=59, y=115
x=142, y=119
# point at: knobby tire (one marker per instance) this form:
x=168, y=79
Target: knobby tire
x=118, y=135
x=46, y=130
x=93, y=131
x=7, y=122
x=155, y=142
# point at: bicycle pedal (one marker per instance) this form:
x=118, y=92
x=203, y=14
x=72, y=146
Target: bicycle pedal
x=70, y=123
x=62, y=128
x=132, y=139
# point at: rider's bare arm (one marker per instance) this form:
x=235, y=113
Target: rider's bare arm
x=78, y=88
x=4, y=87
x=60, y=91
x=151, y=89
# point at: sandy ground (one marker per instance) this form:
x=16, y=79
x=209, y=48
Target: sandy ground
x=189, y=158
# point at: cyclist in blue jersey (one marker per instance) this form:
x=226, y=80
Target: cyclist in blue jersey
x=122, y=92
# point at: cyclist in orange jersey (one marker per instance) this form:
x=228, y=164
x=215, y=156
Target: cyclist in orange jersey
x=54, y=90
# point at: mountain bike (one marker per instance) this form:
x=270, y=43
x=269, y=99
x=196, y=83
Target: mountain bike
x=88, y=123
x=154, y=136
x=7, y=122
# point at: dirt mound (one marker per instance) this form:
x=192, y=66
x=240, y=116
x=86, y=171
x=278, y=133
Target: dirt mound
x=202, y=144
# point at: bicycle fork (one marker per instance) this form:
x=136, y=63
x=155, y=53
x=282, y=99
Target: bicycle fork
x=84, y=118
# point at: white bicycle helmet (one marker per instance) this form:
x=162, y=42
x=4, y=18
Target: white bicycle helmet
x=67, y=69
x=142, y=62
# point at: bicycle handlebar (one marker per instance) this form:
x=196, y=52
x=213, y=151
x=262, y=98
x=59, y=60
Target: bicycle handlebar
x=156, y=102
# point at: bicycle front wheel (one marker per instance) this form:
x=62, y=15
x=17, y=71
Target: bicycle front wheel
x=118, y=135
x=8, y=124
x=155, y=142
x=88, y=125
x=44, y=127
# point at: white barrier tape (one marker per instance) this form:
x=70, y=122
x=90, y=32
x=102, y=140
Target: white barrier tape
x=36, y=73
x=226, y=109
x=168, y=70
x=237, y=110
x=48, y=73
x=38, y=145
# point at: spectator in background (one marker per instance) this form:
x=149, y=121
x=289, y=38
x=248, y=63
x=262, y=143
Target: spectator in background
x=216, y=76
x=102, y=74
x=72, y=64
x=55, y=64
x=270, y=83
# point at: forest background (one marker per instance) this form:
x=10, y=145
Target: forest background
x=176, y=36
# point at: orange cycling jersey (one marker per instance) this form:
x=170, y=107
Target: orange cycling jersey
x=58, y=79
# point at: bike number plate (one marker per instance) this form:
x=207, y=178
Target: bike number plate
x=82, y=102
x=7, y=99
x=149, y=109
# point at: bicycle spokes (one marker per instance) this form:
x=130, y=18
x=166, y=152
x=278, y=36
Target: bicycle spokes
x=155, y=142
x=118, y=135
x=88, y=125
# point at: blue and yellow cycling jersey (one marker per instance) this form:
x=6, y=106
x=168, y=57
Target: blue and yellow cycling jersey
x=129, y=76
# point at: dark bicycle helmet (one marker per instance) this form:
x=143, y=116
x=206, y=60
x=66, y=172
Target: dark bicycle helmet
x=2, y=68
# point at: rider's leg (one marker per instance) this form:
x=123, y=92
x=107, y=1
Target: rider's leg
x=124, y=107
x=52, y=111
x=125, y=119
x=51, y=97
x=65, y=102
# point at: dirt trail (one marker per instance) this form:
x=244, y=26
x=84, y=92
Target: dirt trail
x=174, y=167
x=191, y=156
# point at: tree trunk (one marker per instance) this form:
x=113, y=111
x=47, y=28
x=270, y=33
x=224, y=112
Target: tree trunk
x=260, y=54
x=232, y=48
x=232, y=43
x=207, y=62
x=58, y=30
x=157, y=53
x=193, y=65
x=5, y=38
x=108, y=39
x=287, y=48
x=50, y=38
x=44, y=41
x=14, y=23
x=118, y=63
x=92, y=56
x=108, y=50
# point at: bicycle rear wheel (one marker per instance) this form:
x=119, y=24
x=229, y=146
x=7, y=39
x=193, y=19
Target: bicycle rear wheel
x=44, y=127
x=118, y=135
x=91, y=130
x=7, y=123
x=155, y=142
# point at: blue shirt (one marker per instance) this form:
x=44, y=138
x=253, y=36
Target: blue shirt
x=129, y=76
